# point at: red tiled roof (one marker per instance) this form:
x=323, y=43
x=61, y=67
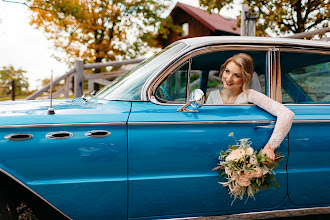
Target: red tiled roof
x=212, y=21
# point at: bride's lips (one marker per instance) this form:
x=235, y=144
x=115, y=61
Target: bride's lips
x=229, y=84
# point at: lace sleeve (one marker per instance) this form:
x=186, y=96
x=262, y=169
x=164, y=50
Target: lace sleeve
x=284, y=116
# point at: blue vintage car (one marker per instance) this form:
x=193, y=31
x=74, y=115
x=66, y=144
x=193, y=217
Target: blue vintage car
x=128, y=153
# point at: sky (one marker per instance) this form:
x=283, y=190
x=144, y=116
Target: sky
x=27, y=48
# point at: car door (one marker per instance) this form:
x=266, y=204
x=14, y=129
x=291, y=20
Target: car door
x=171, y=154
x=306, y=91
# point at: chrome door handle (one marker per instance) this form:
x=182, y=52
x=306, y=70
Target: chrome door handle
x=18, y=137
x=265, y=126
x=97, y=133
x=59, y=135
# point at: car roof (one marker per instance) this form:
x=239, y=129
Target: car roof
x=211, y=40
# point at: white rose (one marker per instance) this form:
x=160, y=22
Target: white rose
x=235, y=155
x=243, y=181
x=249, y=151
x=253, y=161
x=229, y=158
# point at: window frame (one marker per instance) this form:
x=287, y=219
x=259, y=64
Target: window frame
x=153, y=86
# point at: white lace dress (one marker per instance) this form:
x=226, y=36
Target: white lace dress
x=284, y=115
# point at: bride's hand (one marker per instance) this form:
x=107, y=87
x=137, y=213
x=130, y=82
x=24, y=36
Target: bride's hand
x=269, y=152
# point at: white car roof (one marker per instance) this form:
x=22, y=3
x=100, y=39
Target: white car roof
x=200, y=41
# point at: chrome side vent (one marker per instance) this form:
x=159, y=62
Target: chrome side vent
x=98, y=133
x=18, y=137
x=59, y=135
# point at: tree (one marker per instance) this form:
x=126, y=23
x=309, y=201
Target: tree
x=56, y=87
x=282, y=16
x=7, y=75
x=99, y=30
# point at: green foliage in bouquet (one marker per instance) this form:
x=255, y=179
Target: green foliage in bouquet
x=247, y=171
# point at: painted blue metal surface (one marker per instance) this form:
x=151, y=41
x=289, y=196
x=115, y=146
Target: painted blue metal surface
x=170, y=165
x=309, y=164
x=35, y=112
x=83, y=177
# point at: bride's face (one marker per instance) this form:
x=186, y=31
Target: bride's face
x=232, y=77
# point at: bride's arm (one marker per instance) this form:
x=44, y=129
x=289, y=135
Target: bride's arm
x=283, y=123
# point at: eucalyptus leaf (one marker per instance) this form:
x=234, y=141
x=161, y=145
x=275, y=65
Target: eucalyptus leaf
x=273, y=165
x=233, y=147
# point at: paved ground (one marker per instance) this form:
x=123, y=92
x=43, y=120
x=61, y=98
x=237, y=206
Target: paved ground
x=293, y=214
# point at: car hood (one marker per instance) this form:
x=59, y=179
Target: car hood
x=35, y=112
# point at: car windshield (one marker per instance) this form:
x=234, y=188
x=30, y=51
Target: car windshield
x=129, y=85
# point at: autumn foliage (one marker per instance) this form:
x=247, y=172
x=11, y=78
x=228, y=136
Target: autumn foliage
x=282, y=16
x=9, y=74
x=99, y=30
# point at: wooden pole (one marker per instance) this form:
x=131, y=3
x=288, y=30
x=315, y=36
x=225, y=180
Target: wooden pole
x=70, y=75
x=245, y=10
x=248, y=22
x=47, y=87
x=79, y=78
x=13, y=90
x=66, y=90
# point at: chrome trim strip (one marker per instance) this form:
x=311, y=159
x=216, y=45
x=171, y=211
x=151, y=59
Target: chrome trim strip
x=149, y=123
x=311, y=104
x=36, y=194
x=186, y=42
x=266, y=126
x=271, y=214
x=198, y=122
x=188, y=80
x=57, y=125
x=311, y=121
x=269, y=72
x=221, y=122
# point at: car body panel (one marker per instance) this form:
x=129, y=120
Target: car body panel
x=309, y=164
x=76, y=172
x=172, y=154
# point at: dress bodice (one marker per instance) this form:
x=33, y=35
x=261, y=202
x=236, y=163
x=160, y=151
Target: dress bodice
x=216, y=99
x=284, y=115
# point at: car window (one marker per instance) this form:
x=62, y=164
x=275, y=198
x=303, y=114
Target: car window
x=204, y=75
x=174, y=87
x=259, y=58
x=305, y=78
x=129, y=85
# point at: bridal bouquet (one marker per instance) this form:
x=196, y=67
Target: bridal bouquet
x=247, y=171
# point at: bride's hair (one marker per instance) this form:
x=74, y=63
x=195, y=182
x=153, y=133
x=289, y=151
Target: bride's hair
x=245, y=62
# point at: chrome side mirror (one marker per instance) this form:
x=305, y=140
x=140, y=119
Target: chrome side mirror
x=196, y=100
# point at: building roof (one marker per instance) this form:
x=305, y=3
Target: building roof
x=212, y=21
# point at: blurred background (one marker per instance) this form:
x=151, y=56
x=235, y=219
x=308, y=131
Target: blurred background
x=38, y=37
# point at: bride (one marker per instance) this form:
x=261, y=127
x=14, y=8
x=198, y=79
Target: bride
x=236, y=74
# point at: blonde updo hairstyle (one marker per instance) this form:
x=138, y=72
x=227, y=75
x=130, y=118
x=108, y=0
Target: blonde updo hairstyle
x=245, y=62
